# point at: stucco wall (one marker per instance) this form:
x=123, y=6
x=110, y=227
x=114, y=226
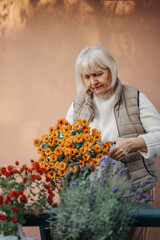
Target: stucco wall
x=39, y=43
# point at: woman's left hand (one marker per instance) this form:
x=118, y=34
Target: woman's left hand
x=125, y=145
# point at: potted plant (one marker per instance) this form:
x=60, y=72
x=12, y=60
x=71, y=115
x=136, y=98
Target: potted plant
x=98, y=207
x=23, y=190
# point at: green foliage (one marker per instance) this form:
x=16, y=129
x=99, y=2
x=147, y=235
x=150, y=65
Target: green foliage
x=96, y=207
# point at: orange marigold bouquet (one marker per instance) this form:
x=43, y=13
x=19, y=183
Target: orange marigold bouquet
x=70, y=148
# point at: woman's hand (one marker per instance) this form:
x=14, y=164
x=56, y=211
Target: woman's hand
x=125, y=145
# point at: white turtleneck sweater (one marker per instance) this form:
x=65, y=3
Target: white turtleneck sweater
x=104, y=121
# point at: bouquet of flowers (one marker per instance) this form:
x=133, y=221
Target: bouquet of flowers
x=70, y=148
x=23, y=190
x=96, y=207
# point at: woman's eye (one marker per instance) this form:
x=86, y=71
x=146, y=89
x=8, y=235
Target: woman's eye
x=86, y=77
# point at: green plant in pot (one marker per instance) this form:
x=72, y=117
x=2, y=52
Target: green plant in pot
x=97, y=207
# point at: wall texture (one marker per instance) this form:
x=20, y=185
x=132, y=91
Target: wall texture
x=39, y=43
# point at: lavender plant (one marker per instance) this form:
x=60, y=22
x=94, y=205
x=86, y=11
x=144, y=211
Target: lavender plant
x=96, y=207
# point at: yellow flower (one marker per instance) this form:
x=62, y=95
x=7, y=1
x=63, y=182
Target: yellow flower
x=67, y=152
x=51, y=130
x=52, y=174
x=39, y=150
x=58, y=151
x=45, y=138
x=54, y=134
x=61, y=173
x=62, y=166
x=82, y=121
x=48, y=151
x=97, y=148
x=94, y=162
x=77, y=127
x=86, y=156
x=53, y=157
x=78, y=138
x=61, y=121
x=41, y=160
x=87, y=145
x=37, y=142
x=43, y=155
x=99, y=156
x=83, y=150
x=86, y=137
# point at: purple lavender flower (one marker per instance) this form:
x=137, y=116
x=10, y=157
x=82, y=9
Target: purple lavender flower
x=84, y=168
x=75, y=183
x=117, y=170
x=77, y=225
x=115, y=189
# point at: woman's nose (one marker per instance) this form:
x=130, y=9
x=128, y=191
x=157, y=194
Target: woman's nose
x=93, y=80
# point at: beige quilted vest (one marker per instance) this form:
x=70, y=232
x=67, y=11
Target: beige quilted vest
x=128, y=123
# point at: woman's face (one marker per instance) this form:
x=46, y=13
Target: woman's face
x=98, y=82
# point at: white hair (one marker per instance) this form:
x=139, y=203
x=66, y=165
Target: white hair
x=95, y=57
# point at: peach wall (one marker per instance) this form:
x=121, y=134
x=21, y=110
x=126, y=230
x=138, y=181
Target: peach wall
x=39, y=43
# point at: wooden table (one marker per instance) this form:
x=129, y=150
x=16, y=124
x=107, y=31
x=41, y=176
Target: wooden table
x=148, y=216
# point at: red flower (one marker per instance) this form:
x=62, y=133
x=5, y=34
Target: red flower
x=12, y=193
x=10, y=167
x=20, y=192
x=14, y=209
x=2, y=217
x=14, y=220
x=1, y=200
x=47, y=186
x=3, y=170
x=23, y=199
x=17, y=163
x=33, y=176
x=39, y=178
x=36, y=165
x=50, y=200
x=7, y=200
x=7, y=174
x=25, y=180
x=16, y=194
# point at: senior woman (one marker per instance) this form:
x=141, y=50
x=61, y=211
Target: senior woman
x=123, y=114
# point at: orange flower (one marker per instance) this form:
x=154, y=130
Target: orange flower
x=61, y=121
x=86, y=137
x=51, y=130
x=83, y=150
x=86, y=156
x=78, y=138
x=37, y=142
x=62, y=166
x=77, y=127
x=61, y=173
x=97, y=148
x=52, y=174
x=87, y=145
x=48, y=151
x=39, y=150
x=94, y=162
x=41, y=160
x=45, y=138
x=53, y=157
x=107, y=145
x=54, y=134
x=83, y=163
x=58, y=151
x=99, y=156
